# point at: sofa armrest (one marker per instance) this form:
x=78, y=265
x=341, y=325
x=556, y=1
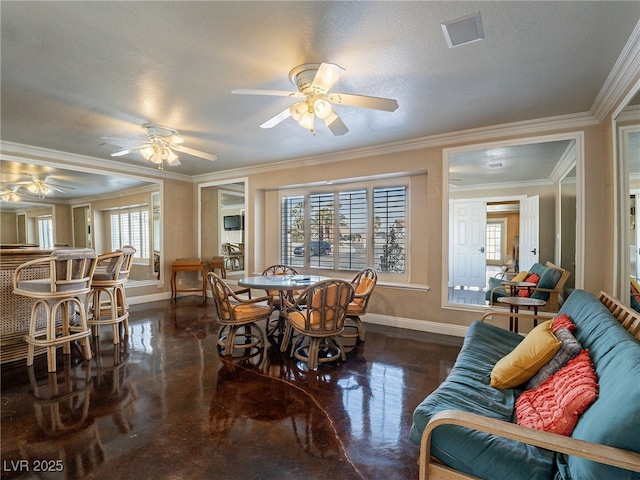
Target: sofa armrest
x=551, y=441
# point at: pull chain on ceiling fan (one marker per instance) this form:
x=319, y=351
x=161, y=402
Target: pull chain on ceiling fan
x=314, y=82
x=162, y=145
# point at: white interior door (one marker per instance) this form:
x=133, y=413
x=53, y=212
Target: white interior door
x=468, y=237
x=529, y=232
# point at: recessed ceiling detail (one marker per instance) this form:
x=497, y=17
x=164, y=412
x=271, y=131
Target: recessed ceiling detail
x=463, y=30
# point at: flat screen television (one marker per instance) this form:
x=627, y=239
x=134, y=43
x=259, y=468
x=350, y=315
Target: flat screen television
x=233, y=222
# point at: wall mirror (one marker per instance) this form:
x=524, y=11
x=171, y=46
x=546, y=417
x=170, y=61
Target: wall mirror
x=627, y=148
x=54, y=206
x=222, y=224
x=505, y=209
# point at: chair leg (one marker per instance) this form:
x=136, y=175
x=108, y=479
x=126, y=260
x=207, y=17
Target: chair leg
x=286, y=338
x=314, y=349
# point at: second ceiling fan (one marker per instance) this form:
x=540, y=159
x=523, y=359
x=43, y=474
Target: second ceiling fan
x=314, y=82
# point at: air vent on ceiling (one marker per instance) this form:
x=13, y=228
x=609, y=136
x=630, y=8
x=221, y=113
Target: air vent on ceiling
x=463, y=30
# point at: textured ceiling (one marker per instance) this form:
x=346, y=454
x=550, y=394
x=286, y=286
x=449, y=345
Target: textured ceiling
x=75, y=72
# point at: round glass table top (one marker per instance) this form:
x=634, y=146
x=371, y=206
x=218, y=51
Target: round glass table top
x=280, y=282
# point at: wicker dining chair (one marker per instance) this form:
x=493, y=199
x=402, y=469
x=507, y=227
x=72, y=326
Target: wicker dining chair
x=363, y=284
x=60, y=296
x=235, y=312
x=318, y=316
x=111, y=274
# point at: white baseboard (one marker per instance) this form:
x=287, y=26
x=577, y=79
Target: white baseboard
x=148, y=298
x=413, y=324
x=373, y=318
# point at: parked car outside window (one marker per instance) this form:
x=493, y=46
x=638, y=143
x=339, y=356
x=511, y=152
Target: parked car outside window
x=315, y=248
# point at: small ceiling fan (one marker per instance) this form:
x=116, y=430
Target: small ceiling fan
x=40, y=186
x=314, y=82
x=10, y=194
x=163, y=145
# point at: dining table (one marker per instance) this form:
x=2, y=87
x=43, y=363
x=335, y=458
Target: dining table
x=284, y=284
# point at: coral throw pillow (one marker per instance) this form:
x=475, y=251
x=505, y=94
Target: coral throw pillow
x=534, y=351
x=563, y=321
x=533, y=278
x=556, y=405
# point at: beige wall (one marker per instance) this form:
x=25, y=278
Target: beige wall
x=426, y=221
x=8, y=228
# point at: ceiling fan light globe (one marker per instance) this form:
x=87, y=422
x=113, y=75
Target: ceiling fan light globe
x=33, y=188
x=171, y=157
x=298, y=110
x=322, y=108
x=147, y=152
x=307, y=121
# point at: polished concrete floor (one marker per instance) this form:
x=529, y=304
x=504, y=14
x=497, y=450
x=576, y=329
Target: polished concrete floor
x=166, y=405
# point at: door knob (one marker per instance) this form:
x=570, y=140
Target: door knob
x=481, y=249
x=534, y=251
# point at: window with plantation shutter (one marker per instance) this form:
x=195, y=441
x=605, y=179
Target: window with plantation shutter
x=130, y=226
x=347, y=228
x=321, y=230
x=352, y=250
x=389, y=212
x=292, y=229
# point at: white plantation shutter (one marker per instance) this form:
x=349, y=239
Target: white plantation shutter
x=352, y=222
x=389, y=213
x=130, y=226
x=363, y=226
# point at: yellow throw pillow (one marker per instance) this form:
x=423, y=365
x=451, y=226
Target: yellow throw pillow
x=537, y=348
x=520, y=277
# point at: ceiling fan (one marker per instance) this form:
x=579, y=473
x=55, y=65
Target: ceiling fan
x=314, y=82
x=10, y=194
x=163, y=145
x=40, y=186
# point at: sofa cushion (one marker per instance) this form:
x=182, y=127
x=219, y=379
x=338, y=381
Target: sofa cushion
x=537, y=348
x=570, y=348
x=612, y=419
x=467, y=388
x=548, y=279
x=558, y=402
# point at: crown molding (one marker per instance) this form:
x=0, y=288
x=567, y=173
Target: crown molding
x=522, y=128
x=626, y=68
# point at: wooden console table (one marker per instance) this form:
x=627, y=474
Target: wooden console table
x=188, y=265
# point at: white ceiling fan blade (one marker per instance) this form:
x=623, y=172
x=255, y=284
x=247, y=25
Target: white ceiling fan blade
x=277, y=93
x=196, y=153
x=377, y=103
x=129, y=150
x=335, y=124
x=59, y=188
x=175, y=140
x=175, y=162
x=327, y=75
x=272, y=122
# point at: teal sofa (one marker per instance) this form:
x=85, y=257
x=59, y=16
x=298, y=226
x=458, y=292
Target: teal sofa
x=466, y=428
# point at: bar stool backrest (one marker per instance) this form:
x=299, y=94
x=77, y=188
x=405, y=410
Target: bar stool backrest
x=70, y=274
x=125, y=268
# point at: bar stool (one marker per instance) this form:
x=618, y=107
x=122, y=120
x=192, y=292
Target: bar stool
x=111, y=273
x=60, y=296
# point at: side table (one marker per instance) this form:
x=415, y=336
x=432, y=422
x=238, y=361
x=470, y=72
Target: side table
x=188, y=265
x=516, y=302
